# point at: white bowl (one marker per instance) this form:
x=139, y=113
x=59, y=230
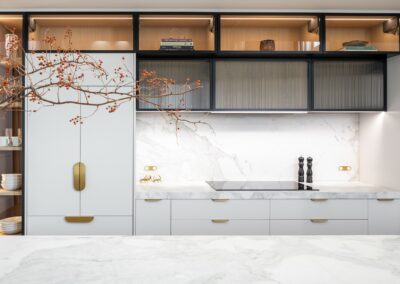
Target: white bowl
x=10, y=188
x=11, y=220
x=10, y=175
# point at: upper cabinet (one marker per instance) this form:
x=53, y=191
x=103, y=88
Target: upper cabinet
x=176, y=32
x=362, y=33
x=10, y=35
x=269, y=33
x=87, y=32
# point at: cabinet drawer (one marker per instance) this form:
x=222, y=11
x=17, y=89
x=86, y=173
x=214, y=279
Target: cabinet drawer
x=220, y=209
x=220, y=227
x=101, y=225
x=328, y=227
x=153, y=217
x=384, y=216
x=319, y=208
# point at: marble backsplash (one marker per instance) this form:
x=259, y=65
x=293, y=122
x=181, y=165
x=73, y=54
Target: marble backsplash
x=248, y=146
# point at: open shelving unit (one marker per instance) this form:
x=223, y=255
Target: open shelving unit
x=11, y=157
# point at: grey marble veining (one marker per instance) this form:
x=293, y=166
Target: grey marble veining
x=219, y=259
x=353, y=190
x=247, y=146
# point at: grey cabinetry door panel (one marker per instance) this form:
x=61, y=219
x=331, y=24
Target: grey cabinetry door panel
x=349, y=85
x=261, y=85
x=184, y=73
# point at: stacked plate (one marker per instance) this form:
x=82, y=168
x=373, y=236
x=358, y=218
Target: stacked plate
x=12, y=225
x=11, y=181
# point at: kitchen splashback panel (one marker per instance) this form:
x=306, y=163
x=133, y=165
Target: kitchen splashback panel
x=248, y=146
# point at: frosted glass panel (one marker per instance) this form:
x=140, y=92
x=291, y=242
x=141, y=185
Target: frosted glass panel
x=351, y=85
x=261, y=85
x=180, y=71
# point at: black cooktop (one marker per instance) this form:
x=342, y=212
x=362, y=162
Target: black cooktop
x=259, y=186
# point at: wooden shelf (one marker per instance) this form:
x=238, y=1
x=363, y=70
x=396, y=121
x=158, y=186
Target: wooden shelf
x=4, y=192
x=289, y=33
x=89, y=32
x=340, y=29
x=10, y=148
x=198, y=28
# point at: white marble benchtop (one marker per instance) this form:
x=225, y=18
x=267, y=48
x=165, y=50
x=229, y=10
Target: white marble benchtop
x=268, y=259
x=352, y=190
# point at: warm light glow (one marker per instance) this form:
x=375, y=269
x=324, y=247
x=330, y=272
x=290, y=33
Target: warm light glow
x=83, y=18
x=176, y=18
x=10, y=17
x=265, y=19
x=358, y=19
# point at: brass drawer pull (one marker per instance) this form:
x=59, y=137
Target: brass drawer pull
x=219, y=199
x=385, y=199
x=79, y=172
x=319, y=199
x=152, y=200
x=319, y=220
x=78, y=219
x=220, y=221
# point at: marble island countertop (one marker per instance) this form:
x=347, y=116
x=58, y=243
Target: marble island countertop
x=272, y=259
x=201, y=190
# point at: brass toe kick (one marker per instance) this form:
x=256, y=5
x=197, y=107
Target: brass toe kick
x=78, y=219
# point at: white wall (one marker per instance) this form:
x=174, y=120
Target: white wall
x=380, y=137
x=248, y=146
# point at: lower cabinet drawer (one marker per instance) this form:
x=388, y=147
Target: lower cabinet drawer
x=220, y=208
x=319, y=227
x=101, y=225
x=352, y=209
x=153, y=217
x=220, y=227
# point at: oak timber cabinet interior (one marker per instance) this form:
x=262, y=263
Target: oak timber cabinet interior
x=289, y=33
x=88, y=32
x=153, y=28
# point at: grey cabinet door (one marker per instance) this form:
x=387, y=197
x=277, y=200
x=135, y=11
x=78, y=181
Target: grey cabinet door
x=349, y=85
x=261, y=85
x=181, y=72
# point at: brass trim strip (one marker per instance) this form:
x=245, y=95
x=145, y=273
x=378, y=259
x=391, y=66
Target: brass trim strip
x=219, y=199
x=78, y=219
x=220, y=221
x=385, y=199
x=152, y=200
x=79, y=175
x=319, y=220
x=319, y=199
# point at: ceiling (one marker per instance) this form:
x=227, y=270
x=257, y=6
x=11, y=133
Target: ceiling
x=182, y=5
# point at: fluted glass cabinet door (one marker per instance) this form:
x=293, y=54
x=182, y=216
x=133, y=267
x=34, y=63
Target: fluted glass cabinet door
x=181, y=72
x=261, y=85
x=349, y=85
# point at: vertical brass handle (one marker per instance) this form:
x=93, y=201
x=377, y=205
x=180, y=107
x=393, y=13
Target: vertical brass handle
x=79, y=171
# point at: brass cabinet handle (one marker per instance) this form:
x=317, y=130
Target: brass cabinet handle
x=219, y=199
x=79, y=170
x=220, y=221
x=319, y=199
x=319, y=220
x=385, y=199
x=78, y=219
x=152, y=200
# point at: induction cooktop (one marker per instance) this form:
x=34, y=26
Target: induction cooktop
x=259, y=186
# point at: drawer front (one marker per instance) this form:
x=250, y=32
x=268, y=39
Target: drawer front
x=101, y=225
x=220, y=209
x=319, y=208
x=153, y=217
x=220, y=227
x=329, y=227
x=384, y=216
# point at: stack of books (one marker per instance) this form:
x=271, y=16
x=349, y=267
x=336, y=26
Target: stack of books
x=176, y=44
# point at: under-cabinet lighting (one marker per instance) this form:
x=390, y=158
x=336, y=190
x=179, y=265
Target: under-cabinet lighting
x=176, y=18
x=358, y=19
x=10, y=18
x=82, y=18
x=265, y=19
